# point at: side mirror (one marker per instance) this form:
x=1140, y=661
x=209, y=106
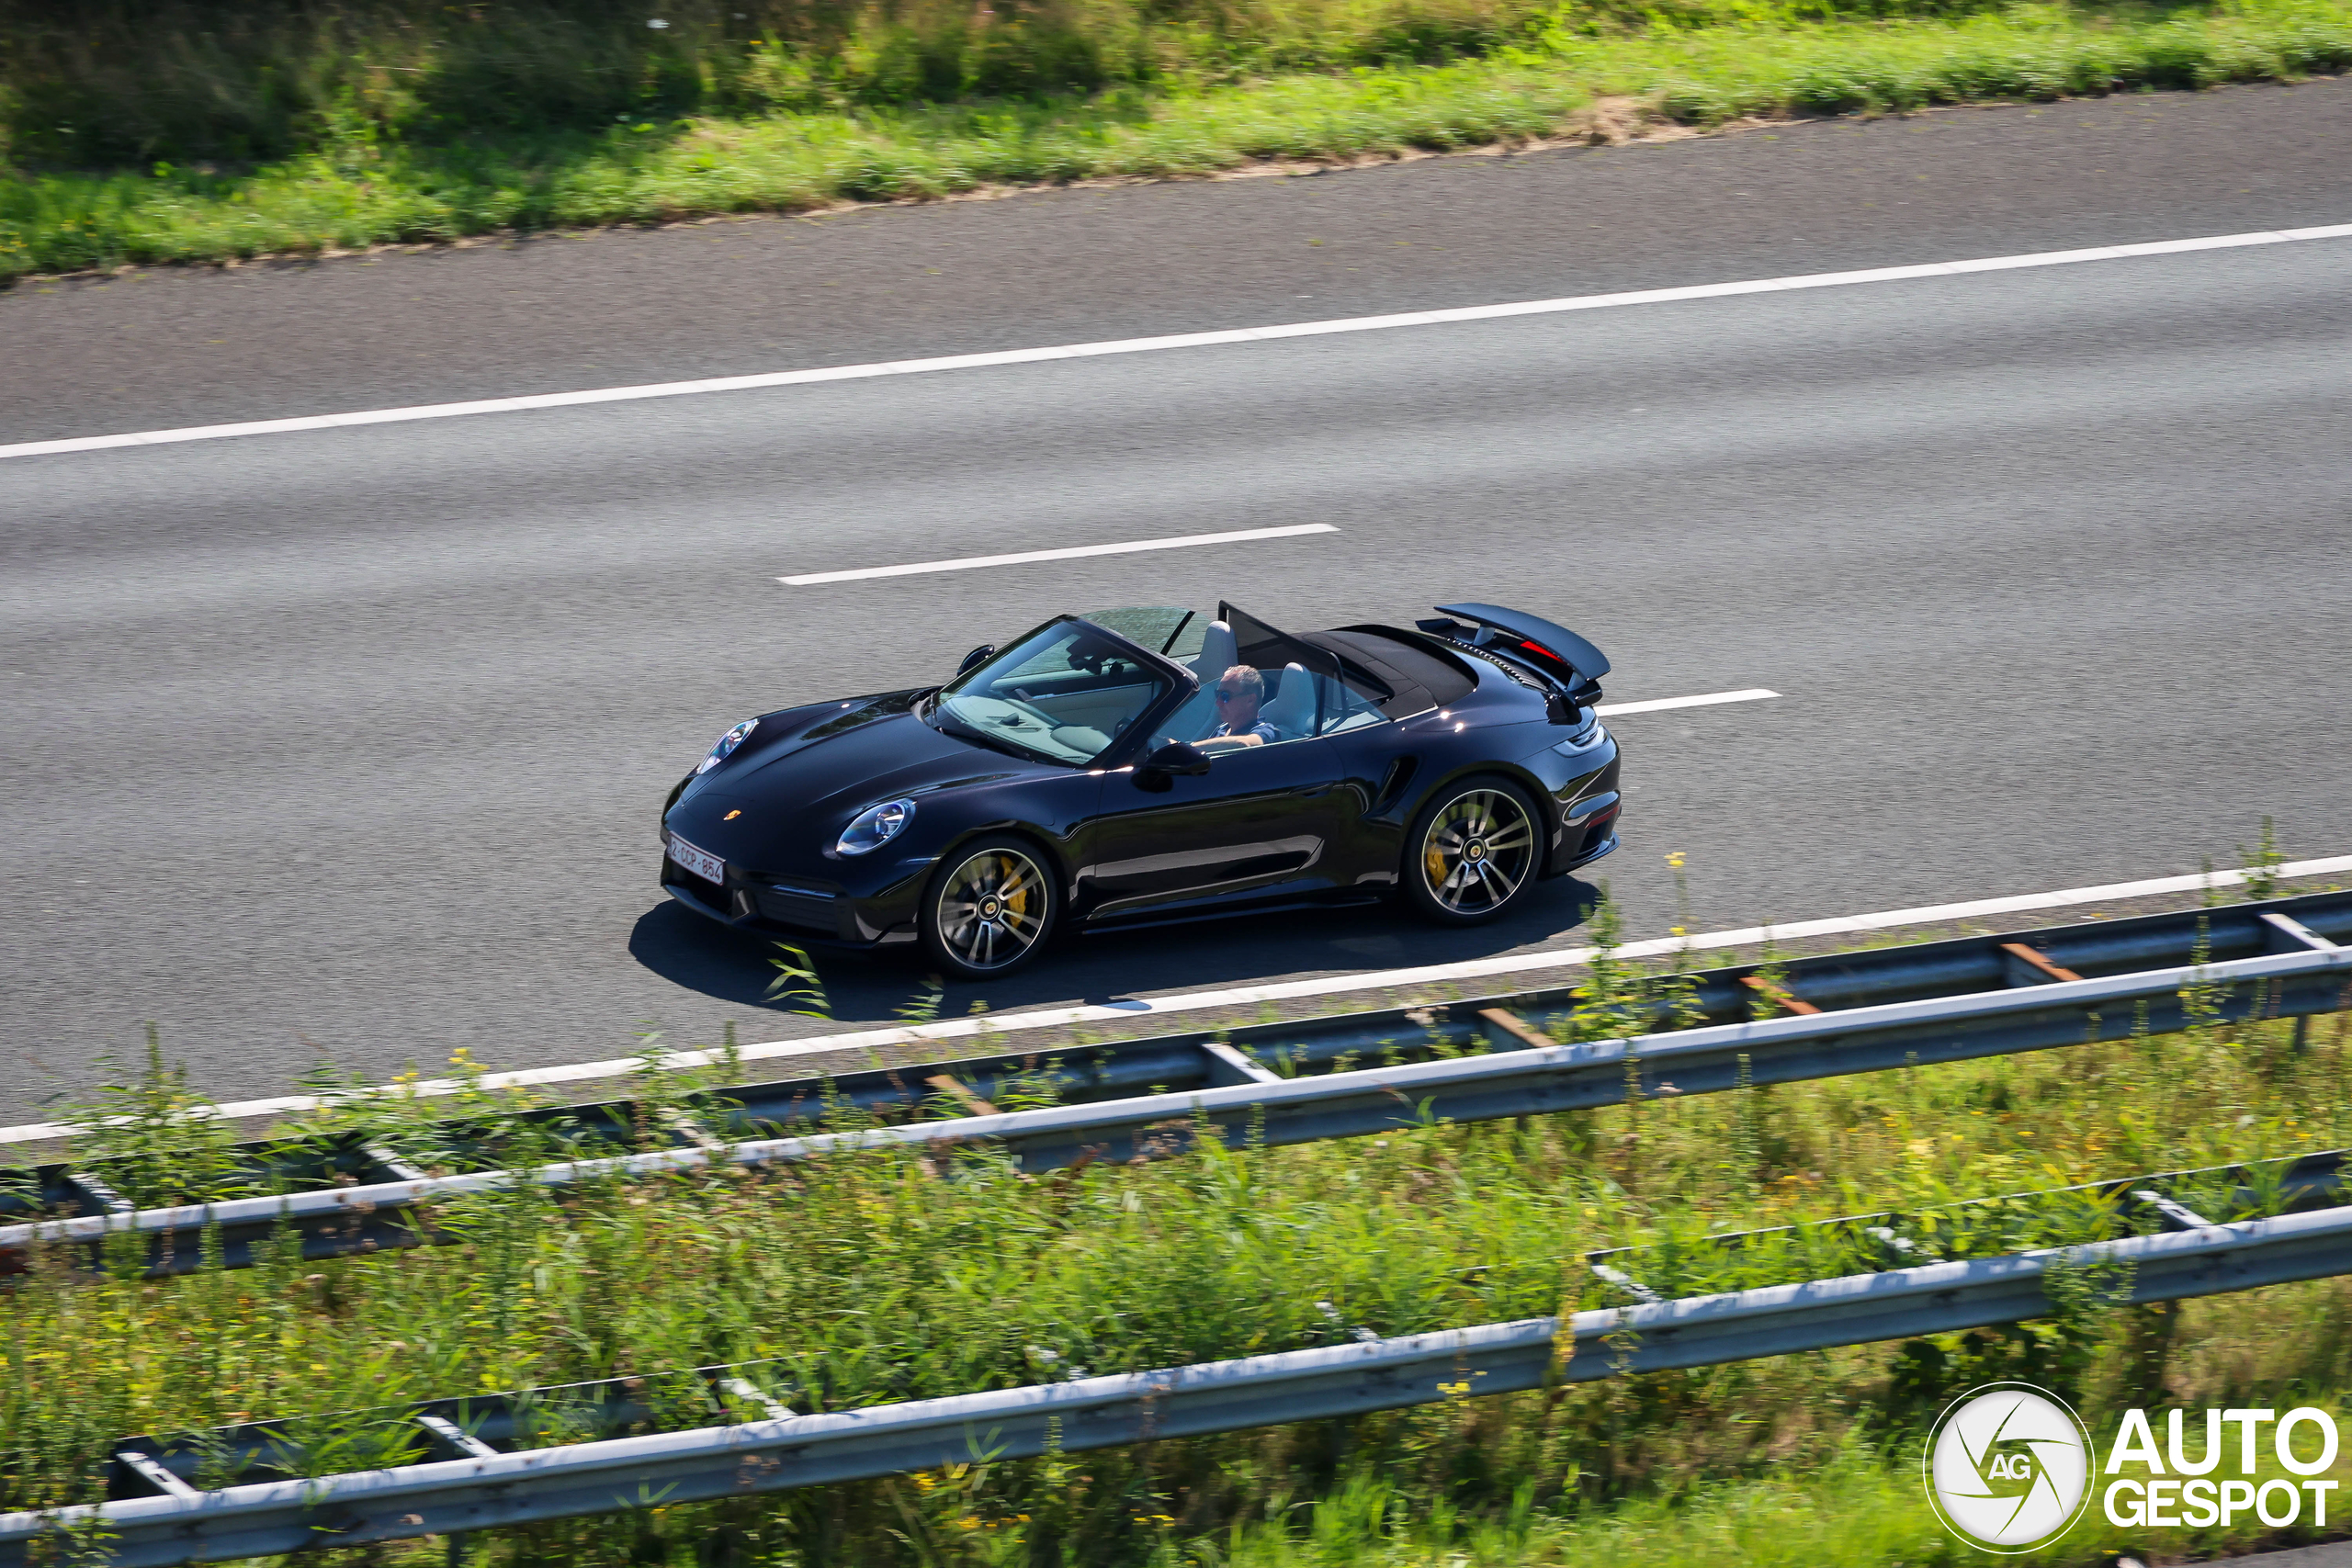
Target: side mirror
x=975, y=658
x=1175, y=760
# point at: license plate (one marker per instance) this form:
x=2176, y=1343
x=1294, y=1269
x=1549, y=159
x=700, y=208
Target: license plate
x=702, y=862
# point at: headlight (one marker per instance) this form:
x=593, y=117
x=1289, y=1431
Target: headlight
x=727, y=744
x=876, y=826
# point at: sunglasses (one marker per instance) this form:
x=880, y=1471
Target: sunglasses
x=1224, y=696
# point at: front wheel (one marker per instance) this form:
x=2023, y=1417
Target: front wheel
x=989, y=908
x=1474, y=849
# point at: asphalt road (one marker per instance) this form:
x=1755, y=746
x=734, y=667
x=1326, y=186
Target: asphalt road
x=2333, y=1554
x=351, y=743
x=161, y=348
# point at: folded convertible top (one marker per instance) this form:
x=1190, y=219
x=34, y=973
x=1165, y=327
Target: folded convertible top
x=1415, y=679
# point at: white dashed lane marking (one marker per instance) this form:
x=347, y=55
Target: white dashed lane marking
x=1659, y=705
x=1023, y=557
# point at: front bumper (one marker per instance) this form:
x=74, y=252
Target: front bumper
x=798, y=908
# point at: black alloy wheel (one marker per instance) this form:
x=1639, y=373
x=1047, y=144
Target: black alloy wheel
x=1474, y=849
x=989, y=909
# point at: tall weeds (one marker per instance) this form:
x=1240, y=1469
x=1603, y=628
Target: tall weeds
x=95, y=81
x=882, y=1275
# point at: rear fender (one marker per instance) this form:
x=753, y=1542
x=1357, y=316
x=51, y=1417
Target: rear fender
x=1546, y=806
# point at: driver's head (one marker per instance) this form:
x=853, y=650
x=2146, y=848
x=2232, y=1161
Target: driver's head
x=1239, y=692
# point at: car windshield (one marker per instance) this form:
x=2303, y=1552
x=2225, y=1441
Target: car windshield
x=1064, y=693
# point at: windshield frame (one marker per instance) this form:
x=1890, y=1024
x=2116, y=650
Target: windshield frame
x=1182, y=684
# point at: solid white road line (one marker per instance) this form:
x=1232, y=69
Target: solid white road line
x=1072, y=553
x=1754, y=695
x=1185, y=340
x=1534, y=964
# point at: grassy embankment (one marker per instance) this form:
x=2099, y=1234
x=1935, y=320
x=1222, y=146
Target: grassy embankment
x=206, y=128
x=879, y=1277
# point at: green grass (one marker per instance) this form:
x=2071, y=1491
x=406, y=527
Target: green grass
x=1853, y=1509
x=876, y=1277
x=355, y=174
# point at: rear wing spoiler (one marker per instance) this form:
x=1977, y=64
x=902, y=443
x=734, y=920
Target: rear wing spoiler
x=1554, y=650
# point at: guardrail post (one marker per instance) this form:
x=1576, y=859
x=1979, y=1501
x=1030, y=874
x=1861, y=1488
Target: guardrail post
x=751, y=1393
x=2031, y=968
x=2178, y=1213
x=1515, y=1031
x=2288, y=935
x=1781, y=996
x=957, y=1090
x=1627, y=1283
x=1903, y=1247
x=389, y=1161
x=94, y=1192
x=692, y=1131
x=457, y=1436
x=2298, y=934
x=1356, y=1331
x=1228, y=1067
x=154, y=1474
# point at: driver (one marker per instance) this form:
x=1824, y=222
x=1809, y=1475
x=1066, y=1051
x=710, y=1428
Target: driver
x=1239, y=691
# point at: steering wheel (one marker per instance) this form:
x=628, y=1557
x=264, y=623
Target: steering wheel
x=1094, y=658
x=1001, y=711
x=1028, y=713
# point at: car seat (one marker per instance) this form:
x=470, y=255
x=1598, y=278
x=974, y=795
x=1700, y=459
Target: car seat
x=1220, y=651
x=1290, y=710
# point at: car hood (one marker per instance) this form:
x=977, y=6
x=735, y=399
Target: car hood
x=806, y=772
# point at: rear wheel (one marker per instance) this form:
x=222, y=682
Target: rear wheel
x=1475, y=849
x=989, y=908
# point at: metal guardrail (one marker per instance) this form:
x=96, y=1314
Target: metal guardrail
x=1866, y=1011
x=274, y=1448
x=486, y=1487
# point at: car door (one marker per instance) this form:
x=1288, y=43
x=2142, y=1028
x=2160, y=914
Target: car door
x=1259, y=823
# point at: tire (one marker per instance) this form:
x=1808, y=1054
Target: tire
x=990, y=908
x=1473, y=851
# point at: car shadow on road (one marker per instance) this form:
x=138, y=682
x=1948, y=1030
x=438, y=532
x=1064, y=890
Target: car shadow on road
x=1235, y=950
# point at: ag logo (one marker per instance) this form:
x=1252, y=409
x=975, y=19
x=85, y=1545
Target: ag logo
x=2009, y=1467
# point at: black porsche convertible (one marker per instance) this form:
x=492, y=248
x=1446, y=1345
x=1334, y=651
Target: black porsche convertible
x=1137, y=766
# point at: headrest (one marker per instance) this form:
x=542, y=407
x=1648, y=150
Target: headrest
x=1219, y=652
x=1290, y=710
